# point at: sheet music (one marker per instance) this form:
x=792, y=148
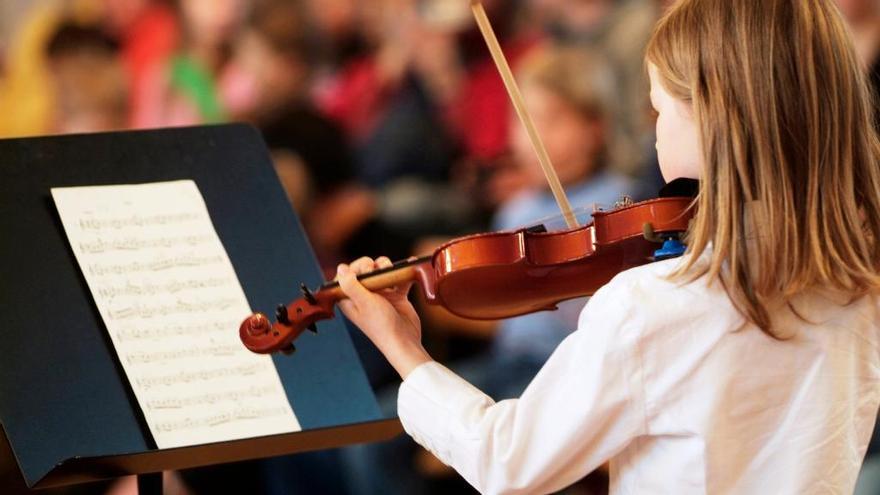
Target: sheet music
x=172, y=303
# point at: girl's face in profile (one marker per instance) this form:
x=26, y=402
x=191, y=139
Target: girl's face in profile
x=678, y=138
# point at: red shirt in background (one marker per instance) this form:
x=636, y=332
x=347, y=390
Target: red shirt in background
x=146, y=45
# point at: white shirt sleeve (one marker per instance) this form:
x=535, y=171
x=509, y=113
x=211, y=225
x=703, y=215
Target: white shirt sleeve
x=583, y=407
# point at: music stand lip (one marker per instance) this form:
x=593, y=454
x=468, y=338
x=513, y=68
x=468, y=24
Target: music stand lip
x=87, y=469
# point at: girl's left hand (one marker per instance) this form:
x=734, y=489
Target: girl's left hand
x=386, y=317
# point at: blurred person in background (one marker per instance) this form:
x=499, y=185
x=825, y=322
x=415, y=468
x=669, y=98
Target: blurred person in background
x=276, y=56
x=566, y=91
x=26, y=89
x=90, y=87
x=372, y=93
x=148, y=34
x=370, y=86
x=620, y=30
x=196, y=85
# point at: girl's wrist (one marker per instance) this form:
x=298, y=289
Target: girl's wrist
x=407, y=357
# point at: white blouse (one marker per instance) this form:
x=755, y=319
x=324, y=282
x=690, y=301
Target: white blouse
x=663, y=380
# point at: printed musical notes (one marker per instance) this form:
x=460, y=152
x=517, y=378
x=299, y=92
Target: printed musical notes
x=172, y=303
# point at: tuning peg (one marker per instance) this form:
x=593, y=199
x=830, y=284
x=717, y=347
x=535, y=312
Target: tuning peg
x=308, y=294
x=313, y=328
x=281, y=315
x=289, y=350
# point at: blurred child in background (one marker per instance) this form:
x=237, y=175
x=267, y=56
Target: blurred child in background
x=195, y=85
x=90, y=86
x=148, y=35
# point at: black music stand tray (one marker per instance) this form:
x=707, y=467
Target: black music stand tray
x=66, y=408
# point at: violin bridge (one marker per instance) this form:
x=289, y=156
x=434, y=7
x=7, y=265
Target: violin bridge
x=624, y=201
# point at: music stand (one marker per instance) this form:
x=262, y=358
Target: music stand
x=66, y=408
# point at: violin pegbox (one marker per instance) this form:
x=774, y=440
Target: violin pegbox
x=261, y=336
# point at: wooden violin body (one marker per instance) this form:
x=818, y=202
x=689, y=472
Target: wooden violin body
x=501, y=274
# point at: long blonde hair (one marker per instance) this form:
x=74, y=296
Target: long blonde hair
x=786, y=123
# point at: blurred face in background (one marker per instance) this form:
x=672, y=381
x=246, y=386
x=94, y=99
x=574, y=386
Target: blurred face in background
x=574, y=17
x=273, y=79
x=90, y=92
x=574, y=139
x=120, y=14
x=333, y=18
x=212, y=22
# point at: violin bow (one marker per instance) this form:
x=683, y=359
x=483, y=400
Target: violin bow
x=524, y=117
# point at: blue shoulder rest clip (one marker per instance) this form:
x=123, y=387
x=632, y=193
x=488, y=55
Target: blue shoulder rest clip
x=672, y=248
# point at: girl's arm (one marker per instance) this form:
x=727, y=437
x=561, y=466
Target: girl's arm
x=583, y=407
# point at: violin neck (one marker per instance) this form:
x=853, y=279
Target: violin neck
x=401, y=272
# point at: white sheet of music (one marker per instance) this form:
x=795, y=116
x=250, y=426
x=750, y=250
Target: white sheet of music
x=172, y=303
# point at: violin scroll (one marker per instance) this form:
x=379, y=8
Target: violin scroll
x=261, y=336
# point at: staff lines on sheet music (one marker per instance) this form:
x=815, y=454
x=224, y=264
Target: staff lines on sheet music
x=163, y=263
x=179, y=308
x=134, y=243
x=182, y=377
x=159, y=332
x=137, y=220
x=211, y=398
x=174, y=286
x=144, y=357
x=239, y=413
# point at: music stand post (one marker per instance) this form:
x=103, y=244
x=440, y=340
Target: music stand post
x=149, y=484
x=66, y=409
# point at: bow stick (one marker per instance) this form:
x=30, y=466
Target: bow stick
x=523, y=114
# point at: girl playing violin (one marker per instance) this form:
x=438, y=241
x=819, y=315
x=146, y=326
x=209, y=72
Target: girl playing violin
x=750, y=364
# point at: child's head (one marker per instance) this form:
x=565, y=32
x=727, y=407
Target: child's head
x=212, y=23
x=90, y=87
x=273, y=55
x=567, y=92
x=782, y=120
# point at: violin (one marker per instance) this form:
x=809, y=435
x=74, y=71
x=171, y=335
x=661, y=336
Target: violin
x=501, y=274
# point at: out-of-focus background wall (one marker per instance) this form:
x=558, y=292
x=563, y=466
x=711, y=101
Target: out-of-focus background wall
x=391, y=132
